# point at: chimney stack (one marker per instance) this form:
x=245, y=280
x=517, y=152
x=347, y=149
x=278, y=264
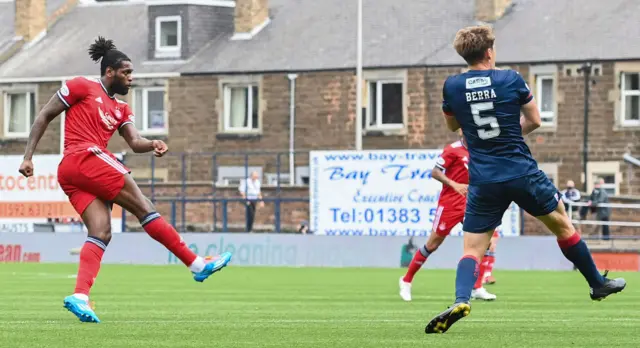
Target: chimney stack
x=250, y=16
x=31, y=18
x=491, y=10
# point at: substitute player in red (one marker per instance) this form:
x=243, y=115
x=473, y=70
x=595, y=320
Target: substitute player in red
x=452, y=171
x=92, y=177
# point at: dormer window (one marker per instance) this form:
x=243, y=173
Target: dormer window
x=168, y=36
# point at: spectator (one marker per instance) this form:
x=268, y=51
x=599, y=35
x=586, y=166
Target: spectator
x=250, y=191
x=303, y=228
x=600, y=196
x=570, y=195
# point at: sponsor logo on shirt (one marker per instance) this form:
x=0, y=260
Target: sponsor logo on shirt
x=107, y=119
x=477, y=82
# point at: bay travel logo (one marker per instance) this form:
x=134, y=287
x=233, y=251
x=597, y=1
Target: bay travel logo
x=373, y=193
x=379, y=193
x=247, y=251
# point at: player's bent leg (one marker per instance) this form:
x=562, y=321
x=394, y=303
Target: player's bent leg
x=576, y=251
x=434, y=241
x=97, y=217
x=131, y=198
x=540, y=198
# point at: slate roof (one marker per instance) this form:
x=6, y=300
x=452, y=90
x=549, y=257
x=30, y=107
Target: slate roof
x=321, y=35
x=312, y=35
x=6, y=25
x=564, y=30
x=63, y=51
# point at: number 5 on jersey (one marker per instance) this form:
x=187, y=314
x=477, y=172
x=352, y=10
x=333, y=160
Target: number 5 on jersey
x=486, y=108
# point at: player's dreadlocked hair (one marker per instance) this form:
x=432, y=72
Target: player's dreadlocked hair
x=106, y=50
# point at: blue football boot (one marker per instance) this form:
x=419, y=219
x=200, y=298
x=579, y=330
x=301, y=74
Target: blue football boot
x=81, y=309
x=212, y=266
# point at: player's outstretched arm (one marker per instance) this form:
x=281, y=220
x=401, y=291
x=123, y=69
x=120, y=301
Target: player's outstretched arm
x=49, y=112
x=531, y=119
x=139, y=144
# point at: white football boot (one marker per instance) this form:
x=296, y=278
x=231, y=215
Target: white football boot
x=482, y=294
x=405, y=290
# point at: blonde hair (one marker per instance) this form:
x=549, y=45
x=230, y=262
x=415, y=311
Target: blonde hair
x=472, y=42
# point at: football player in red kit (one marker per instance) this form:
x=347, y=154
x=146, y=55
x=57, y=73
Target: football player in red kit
x=94, y=179
x=453, y=172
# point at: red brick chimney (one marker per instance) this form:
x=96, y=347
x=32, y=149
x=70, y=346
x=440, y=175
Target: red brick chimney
x=491, y=10
x=250, y=16
x=31, y=18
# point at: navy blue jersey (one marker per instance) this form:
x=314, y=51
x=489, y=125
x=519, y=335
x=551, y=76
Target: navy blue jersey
x=487, y=104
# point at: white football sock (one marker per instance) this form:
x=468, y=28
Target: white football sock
x=82, y=297
x=197, y=265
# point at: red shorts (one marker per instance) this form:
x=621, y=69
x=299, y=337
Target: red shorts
x=90, y=174
x=446, y=219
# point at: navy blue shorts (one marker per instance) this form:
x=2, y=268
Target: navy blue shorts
x=486, y=203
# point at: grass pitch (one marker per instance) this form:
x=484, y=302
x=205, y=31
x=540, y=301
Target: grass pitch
x=147, y=306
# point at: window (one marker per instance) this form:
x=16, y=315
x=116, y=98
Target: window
x=233, y=175
x=149, y=110
x=545, y=98
x=630, y=115
x=609, y=171
x=145, y=176
x=385, y=109
x=19, y=113
x=272, y=179
x=241, y=108
x=302, y=175
x=609, y=182
x=168, y=36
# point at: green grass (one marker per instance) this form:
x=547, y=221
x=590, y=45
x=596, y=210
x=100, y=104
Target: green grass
x=146, y=306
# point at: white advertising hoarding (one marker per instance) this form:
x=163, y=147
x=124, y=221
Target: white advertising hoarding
x=380, y=193
x=26, y=202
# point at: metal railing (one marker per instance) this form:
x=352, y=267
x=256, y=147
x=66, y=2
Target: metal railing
x=593, y=229
x=601, y=222
x=185, y=170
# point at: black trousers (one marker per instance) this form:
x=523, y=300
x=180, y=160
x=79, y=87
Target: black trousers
x=250, y=214
x=605, y=228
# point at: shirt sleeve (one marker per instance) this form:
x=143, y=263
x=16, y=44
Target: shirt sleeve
x=523, y=90
x=73, y=91
x=128, y=117
x=446, y=108
x=445, y=160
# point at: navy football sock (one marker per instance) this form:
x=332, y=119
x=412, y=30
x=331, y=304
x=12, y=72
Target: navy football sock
x=576, y=251
x=465, y=278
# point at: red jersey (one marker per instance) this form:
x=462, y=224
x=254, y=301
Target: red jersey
x=454, y=162
x=92, y=115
